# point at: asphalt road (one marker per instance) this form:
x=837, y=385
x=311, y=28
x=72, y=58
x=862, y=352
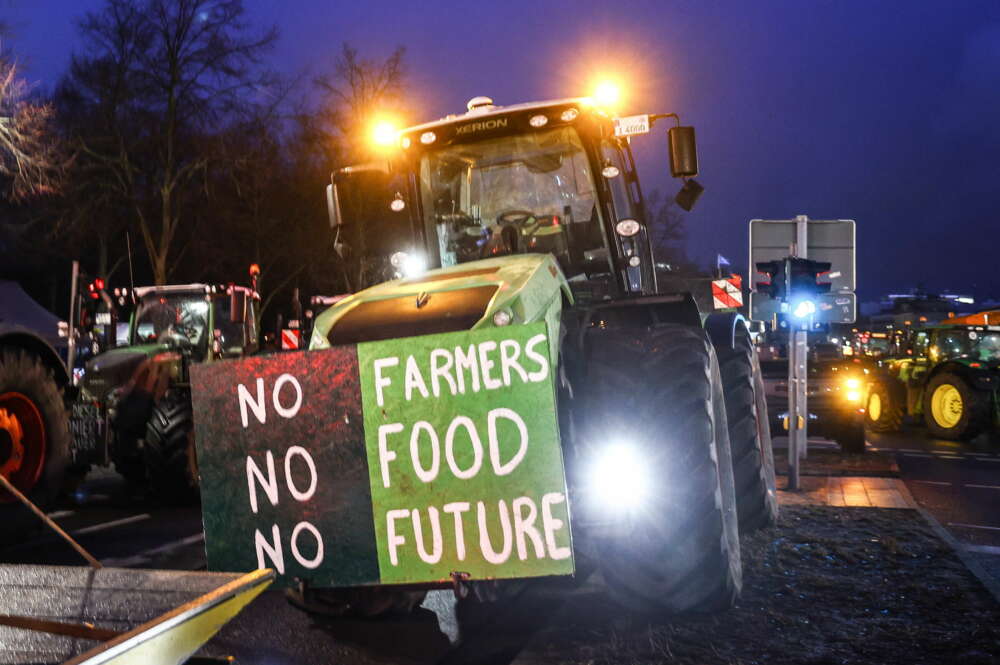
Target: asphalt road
x=957, y=482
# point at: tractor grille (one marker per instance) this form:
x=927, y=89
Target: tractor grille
x=443, y=311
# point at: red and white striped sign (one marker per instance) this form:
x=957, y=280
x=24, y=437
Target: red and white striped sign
x=290, y=339
x=728, y=293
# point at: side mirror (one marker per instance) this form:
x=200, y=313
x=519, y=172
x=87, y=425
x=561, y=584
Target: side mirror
x=689, y=194
x=333, y=206
x=683, y=152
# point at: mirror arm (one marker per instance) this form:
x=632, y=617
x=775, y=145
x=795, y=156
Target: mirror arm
x=659, y=116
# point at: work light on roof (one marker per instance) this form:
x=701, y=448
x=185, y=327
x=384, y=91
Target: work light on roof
x=385, y=133
x=607, y=94
x=569, y=115
x=539, y=120
x=428, y=137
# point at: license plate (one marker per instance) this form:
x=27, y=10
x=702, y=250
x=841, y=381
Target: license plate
x=85, y=426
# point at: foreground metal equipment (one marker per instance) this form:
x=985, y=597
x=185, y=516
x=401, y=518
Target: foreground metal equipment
x=55, y=613
x=529, y=329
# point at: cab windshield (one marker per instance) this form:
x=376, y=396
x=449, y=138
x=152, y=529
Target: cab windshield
x=179, y=319
x=515, y=194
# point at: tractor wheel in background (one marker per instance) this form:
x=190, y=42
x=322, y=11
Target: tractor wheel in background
x=884, y=410
x=749, y=434
x=953, y=409
x=34, y=440
x=660, y=392
x=168, y=450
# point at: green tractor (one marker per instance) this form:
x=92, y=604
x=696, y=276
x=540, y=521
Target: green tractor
x=531, y=214
x=948, y=374
x=134, y=406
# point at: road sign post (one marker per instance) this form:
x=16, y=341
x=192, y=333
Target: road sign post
x=794, y=251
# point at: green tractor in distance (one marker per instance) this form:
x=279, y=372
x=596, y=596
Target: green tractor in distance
x=134, y=406
x=948, y=374
x=534, y=213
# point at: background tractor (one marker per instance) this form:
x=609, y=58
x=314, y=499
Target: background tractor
x=134, y=403
x=509, y=216
x=948, y=374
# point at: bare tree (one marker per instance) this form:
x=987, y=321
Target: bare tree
x=667, y=230
x=355, y=93
x=162, y=76
x=31, y=154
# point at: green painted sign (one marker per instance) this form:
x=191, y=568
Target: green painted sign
x=464, y=459
x=399, y=461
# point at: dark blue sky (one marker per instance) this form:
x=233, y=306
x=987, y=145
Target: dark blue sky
x=885, y=112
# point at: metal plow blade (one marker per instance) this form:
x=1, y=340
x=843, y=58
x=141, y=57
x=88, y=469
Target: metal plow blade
x=51, y=613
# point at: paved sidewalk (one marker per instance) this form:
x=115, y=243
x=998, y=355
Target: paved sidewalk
x=858, y=491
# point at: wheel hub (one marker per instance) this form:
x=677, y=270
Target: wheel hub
x=874, y=406
x=11, y=446
x=22, y=443
x=946, y=405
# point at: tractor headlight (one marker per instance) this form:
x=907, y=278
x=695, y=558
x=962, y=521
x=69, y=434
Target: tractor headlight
x=618, y=478
x=406, y=264
x=502, y=317
x=852, y=390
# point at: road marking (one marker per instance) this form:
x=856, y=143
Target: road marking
x=112, y=524
x=910, y=450
x=917, y=455
x=951, y=457
x=974, y=526
x=59, y=514
x=984, y=487
x=146, y=555
x=991, y=459
x=932, y=482
x=982, y=549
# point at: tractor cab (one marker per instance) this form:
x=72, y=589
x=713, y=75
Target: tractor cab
x=554, y=177
x=204, y=321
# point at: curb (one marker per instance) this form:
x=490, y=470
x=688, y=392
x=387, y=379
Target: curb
x=992, y=584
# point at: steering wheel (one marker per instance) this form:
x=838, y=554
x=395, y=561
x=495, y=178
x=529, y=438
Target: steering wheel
x=514, y=217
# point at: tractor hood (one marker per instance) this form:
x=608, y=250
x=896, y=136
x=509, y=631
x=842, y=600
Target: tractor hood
x=462, y=297
x=114, y=368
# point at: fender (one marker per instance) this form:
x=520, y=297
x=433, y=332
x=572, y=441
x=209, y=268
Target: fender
x=23, y=338
x=979, y=379
x=721, y=328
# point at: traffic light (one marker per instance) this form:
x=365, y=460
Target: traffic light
x=804, y=277
x=775, y=286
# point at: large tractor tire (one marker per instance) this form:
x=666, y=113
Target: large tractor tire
x=34, y=440
x=884, y=410
x=953, y=409
x=749, y=434
x=660, y=390
x=169, y=451
x=850, y=437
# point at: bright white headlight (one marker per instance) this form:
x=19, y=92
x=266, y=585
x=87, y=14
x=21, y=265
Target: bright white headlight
x=619, y=478
x=406, y=264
